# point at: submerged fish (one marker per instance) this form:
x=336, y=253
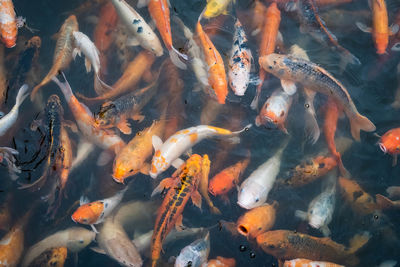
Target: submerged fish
x=195, y=254
x=309, y=263
x=7, y=121
x=221, y=262
x=9, y=23
x=54, y=257
x=390, y=143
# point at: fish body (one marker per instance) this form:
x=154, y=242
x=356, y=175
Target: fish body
x=312, y=23
x=287, y=245
x=63, y=52
x=216, y=69
x=240, y=61
x=196, y=253
x=275, y=110
x=313, y=77
x=224, y=181
x=203, y=185
x=182, y=186
x=166, y=153
x=12, y=246
x=390, y=143
x=11, y=117
x=221, y=262
x=257, y=221
x=253, y=192
x=54, y=257
x=8, y=23
x=86, y=123
x=309, y=263
x=272, y=20
x=74, y=239
x=138, y=28
x=95, y=212
x=215, y=8
x=132, y=157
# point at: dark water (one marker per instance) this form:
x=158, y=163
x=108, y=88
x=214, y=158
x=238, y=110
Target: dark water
x=371, y=85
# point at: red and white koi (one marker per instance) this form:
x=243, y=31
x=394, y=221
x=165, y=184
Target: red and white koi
x=141, y=32
x=92, y=59
x=8, y=120
x=168, y=153
x=275, y=110
x=240, y=61
x=9, y=23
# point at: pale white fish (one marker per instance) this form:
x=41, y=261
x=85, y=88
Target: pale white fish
x=197, y=62
x=92, y=59
x=195, y=254
x=393, y=191
x=8, y=120
x=114, y=242
x=320, y=210
x=388, y=263
x=84, y=149
x=168, y=153
x=240, y=61
x=74, y=239
x=253, y=192
x=141, y=33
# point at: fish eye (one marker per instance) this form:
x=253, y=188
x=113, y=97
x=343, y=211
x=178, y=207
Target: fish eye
x=257, y=199
x=241, y=190
x=81, y=241
x=271, y=246
x=131, y=170
x=270, y=67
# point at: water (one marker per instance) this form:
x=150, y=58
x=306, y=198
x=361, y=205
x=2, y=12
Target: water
x=371, y=85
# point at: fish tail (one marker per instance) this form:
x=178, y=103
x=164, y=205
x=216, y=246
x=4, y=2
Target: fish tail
x=246, y=128
x=64, y=87
x=347, y=58
x=174, y=56
x=384, y=202
x=22, y=94
x=254, y=103
x=358, y=123
x=358, y=241
x=99, y=86
x=343, y=171
x=311, y=127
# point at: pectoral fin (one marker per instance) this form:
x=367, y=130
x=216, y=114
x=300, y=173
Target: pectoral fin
x=76, y=52
x=289, y=87
x=98, y=250
x=301, y=214
x=145, y=169
x=88, y=65
x=124, y=126
x=196, y=199
x=363, y=27
x=393, y=29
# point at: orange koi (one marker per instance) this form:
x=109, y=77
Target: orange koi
x=268, y=43
x=181, y=186
x=380, y=26
x=390, y=143
x=225, y=180
x=63, y=52
x=221, y=262
x=8, y=24
x=216, y=69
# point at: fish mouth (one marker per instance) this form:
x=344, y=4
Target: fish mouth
x=74, y=219
x=242, y=229
x=243, y=205
x=314, y=225
x=383, y=148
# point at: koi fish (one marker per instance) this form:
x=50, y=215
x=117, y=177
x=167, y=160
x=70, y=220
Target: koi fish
x=215, y=8
x=159, y=12
x=386, y=203
x=272, y=20
x=221, y=262
x=131, y=76
x=9, y=23
x=132, y=157
x=317, y=79
x=287, y=245
x=275, y=110
x=7, y=121
x=309, y=263
x=224, y=181
x=54, y=257
x=253, y=192
x=257, y=221
x=168, y=153
x=182, y=186
x=63, y=52
x=321, y=208
x=216, y=69
x=393, y=191
x=92, y=59
x=257, y=20
x=116, y=112
x=195, y=254
x=312, y=23
x=74, y=239
x=92, y=213
x=390, y=143
x=380, y=26
x=141, y=32
x=240, y=61
x=86, y=122
x=203, y=185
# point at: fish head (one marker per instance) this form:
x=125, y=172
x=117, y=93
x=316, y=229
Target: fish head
x=88, y=213
x=54, y=103
x=121, y=172
x=79, y=238
x=220, y=184
x=251, y=195
x=274, y=64
x=274, y=242
x=390, y=142
x=239, y=78
x=316, y=219
x=107, y=115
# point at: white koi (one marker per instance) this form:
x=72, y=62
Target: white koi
x=253, y=192
x=240, y=61
x=195, y=254
x=8, y=120
x=141, y=32
x=168, y=153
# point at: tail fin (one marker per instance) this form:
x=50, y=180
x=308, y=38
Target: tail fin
x=347, y=58
x=174, y=56
x=22, y=94
x=358, y=241
x=311, y=127
x=360, y=122
x=254, y=103
x=65, y=87
x=99, y=86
